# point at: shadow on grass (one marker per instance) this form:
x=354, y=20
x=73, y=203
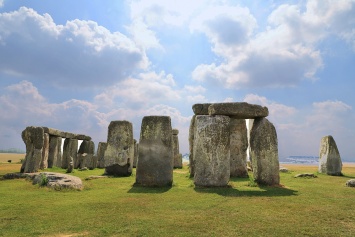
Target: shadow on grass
x=142, y=189
x=263, y=191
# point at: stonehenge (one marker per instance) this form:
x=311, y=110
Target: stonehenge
x=43, y=148
x=214, y=155
x=176, y=150
x=329, y=158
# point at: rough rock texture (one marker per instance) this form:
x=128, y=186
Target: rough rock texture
x=33, y=137
x=201, y=109
x=135, y=158
x=101, y=148
x=176, y=150
x=59, y=153
x=155, y=159
x=239, y=110
x=238, y=148
x=306, y=175
x=211, y=151
x=70, y=149
x=350, y=183
x=58, y=133
x=329, y=158
x=264, y=152
x=58, y=181
x=45, y=152
x=120, y=149
x=191, y=146
x=70, y=165
x=88, y=148
x=54, y=146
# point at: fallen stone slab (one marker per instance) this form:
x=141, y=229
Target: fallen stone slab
x=238, y=110
x=284, y=170
x=58, y=181
x=309, y=175
x=91, y=177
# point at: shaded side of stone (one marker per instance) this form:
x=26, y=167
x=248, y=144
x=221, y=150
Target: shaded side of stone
x=176, y=150
x=135, y=159
x=155, y=159
x=70, y=149
x=191, y=146
x=329, y=157
x=101, y=148
x=264, y=152
x=201, y=109
x=54, y=143
x=119, y=153
x=239, y=110
x=33, y=138
x=59, y=152
x=45, y=152
x=211, y=151
x=88, y=148
x=238, y=148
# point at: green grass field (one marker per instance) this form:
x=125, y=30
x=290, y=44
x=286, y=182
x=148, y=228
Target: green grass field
x=320, y=206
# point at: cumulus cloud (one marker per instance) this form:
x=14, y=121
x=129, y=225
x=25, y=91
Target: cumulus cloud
x=1, y=3
x=282, y=54
x=79, y=53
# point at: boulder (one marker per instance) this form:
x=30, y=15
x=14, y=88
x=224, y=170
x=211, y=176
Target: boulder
x=329, y=158
x=155, y=159
x=264, y=152
x=350, y=183
x=238, y=148
x=306, y=175
x=239, y=110
x=211, y=151
x=120, y=149
x=57, y=181
x=101, y=154
x=201, y=109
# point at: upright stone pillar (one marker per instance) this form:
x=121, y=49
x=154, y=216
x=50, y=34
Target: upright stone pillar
x=155, y=159
x=33, y=137
x=211, y=151
x=238, y=148
x=54, y=142
x=135, y=159
x=329, y=158
x=101, y=148
x=176, y=151
x=191, y=146
x=120, y=149
x=264, y=152
x=59, y=153
x=86, y=156
x=45, y=152
x=70, y=149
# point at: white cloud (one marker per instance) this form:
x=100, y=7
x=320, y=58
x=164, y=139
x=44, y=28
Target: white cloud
x=79, y=53
x=1, y=3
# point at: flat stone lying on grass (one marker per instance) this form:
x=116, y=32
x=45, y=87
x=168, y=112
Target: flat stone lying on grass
x=52, y=180
x=284, y=170
x=350, y=183
x=309, y=175
x=91, y=177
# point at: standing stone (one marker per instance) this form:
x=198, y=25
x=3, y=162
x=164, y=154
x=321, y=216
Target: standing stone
x=211, y=151
x=70, y=165
x=238, y=148
x=240, y=110
x=329, y=158
x=135, y=159
x=86, y=156
x=264, y=152
x=54, y=142
x=191, y=146
x=70, y=149
x=101, y=154
x=155, y=159
x=33, y=137
x=176, y=151
x=45, y=152
x=120, y=149
x=59, y=153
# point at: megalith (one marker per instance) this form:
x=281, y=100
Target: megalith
x=59, y=152
x=120, y=149
x=155, y=159
x=238, y=148
x=101, y=148
x=240, y=110
x=45, y=152
x=264, y=152
x=86, y=156
x=55, y=144
x=70, y=149
x=33, y=138
x=211, y=150
x=191, y=146
x=329, y=158
x=201, y=109
x=176, y=150
x=135, y=159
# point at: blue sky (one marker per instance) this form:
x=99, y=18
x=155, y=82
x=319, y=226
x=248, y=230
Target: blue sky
x=77, y=65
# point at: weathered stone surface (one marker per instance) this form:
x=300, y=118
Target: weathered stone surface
x=201, y=109
x=329, y=158
x=70, y=149
x=58, y=181
x=176, y=150
x=284, y=170
x=59, y=153
x=101, y=154
x=239, y=110
x=135, y=158
x=191, y=146
x=54, y=146
x=70, y=165
x=33, y=137
x=238, y=148
x=306, y=175
x=350, y=183
x=45, y=152
x=58, y=133
x=87, y=148
x=264, y=152
x=119, y=153
x=211, y=151
x=155, y=159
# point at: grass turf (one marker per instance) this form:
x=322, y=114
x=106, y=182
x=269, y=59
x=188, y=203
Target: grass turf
x=320, y=206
